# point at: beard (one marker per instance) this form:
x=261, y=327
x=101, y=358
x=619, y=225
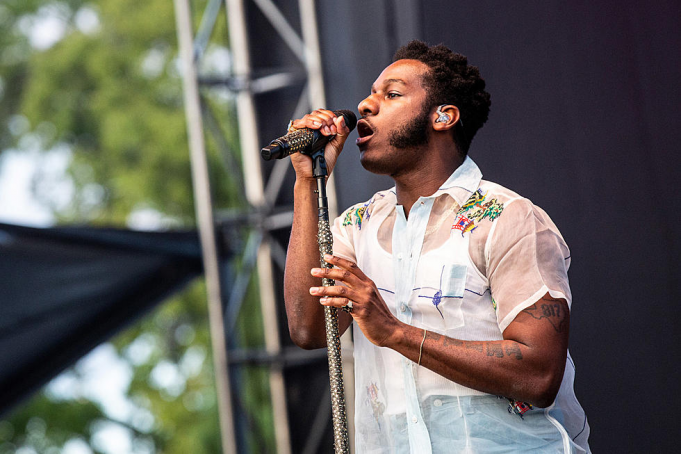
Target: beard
x=407, y=142
x=414, y=133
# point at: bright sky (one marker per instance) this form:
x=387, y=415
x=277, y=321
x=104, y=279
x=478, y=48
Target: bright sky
x=17, y=168
x=17, y=204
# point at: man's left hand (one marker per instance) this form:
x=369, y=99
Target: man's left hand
x=369, y=309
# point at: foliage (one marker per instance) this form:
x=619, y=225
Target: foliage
x=108, y=94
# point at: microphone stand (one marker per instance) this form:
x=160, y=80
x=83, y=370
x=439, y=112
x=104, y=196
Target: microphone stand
x=325, y=239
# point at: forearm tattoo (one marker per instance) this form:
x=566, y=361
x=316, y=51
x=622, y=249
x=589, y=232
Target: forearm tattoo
x=550, y=309
x=498, y=349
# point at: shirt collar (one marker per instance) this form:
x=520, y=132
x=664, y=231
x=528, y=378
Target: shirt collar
x=460, y=185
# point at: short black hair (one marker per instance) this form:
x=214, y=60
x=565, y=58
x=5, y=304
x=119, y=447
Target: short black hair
x=451, y=80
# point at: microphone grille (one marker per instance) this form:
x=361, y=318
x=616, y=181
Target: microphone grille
x=350, y=118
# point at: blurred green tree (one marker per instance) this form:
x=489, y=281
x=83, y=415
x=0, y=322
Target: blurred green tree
x=97, y=82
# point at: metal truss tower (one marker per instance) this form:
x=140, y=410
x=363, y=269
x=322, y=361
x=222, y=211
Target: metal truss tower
x=276, y=75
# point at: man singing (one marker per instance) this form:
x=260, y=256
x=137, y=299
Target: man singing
x=457, y=286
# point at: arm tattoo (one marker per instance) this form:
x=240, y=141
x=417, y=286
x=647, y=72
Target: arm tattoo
x=491, y=348
x=514, y=349
x=497, y=349
x=434, y=336
x=551, y=310
x=450, y=342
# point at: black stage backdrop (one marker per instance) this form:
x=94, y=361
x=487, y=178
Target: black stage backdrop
x=584, y=123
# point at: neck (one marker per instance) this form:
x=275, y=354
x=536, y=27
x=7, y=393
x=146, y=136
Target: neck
x=425, y=179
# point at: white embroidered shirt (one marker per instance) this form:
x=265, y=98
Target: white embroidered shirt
x=463, y=264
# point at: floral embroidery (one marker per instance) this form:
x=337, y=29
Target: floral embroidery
x=477, y=208
x=491, y=210
x=377, y=407
x=517, y=407
x=438, y=296
x=464, y=224
x=357, y=215
x=475, y=200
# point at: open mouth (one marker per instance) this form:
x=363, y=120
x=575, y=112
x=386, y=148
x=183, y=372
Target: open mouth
x=364, y=130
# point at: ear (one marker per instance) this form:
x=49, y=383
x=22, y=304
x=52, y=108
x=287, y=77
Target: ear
x=445, y=117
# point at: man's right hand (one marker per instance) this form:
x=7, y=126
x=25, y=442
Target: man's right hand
x=305, y=314
x=329, y=125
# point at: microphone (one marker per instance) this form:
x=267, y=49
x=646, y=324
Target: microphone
x=306, y=141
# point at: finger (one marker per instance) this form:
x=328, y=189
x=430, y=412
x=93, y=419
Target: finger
x=307, y=121
x=322, y=120
x=328, y=120
x=335, y=291
x=336, y=274
x=313, y=120
x=342, y=128
x=343, y=132
x=326, y=114
x=336, y=302
x=344, y=264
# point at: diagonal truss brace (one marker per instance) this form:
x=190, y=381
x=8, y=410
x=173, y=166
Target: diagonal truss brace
x=260, y=252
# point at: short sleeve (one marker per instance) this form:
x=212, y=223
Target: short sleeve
x=342, y=231
x=526, y=258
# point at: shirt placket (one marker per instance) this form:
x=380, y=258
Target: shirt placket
x=408, y=235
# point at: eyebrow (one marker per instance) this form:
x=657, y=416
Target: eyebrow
x=388, y=82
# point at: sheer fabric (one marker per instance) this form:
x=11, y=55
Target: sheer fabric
x=463, y=264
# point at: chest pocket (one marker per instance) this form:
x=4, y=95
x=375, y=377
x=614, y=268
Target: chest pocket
x=439, y=294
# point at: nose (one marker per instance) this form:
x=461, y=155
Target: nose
x=368, y=106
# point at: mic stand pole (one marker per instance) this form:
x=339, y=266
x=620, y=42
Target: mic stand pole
x=333, y=344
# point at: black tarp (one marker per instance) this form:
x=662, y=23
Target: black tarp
x=65, y=290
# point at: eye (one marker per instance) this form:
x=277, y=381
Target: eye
x=392, y=95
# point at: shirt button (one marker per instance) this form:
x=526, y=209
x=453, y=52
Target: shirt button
x=399, y=256
x=437, y=403
x=403, y=307
x=414, y=419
